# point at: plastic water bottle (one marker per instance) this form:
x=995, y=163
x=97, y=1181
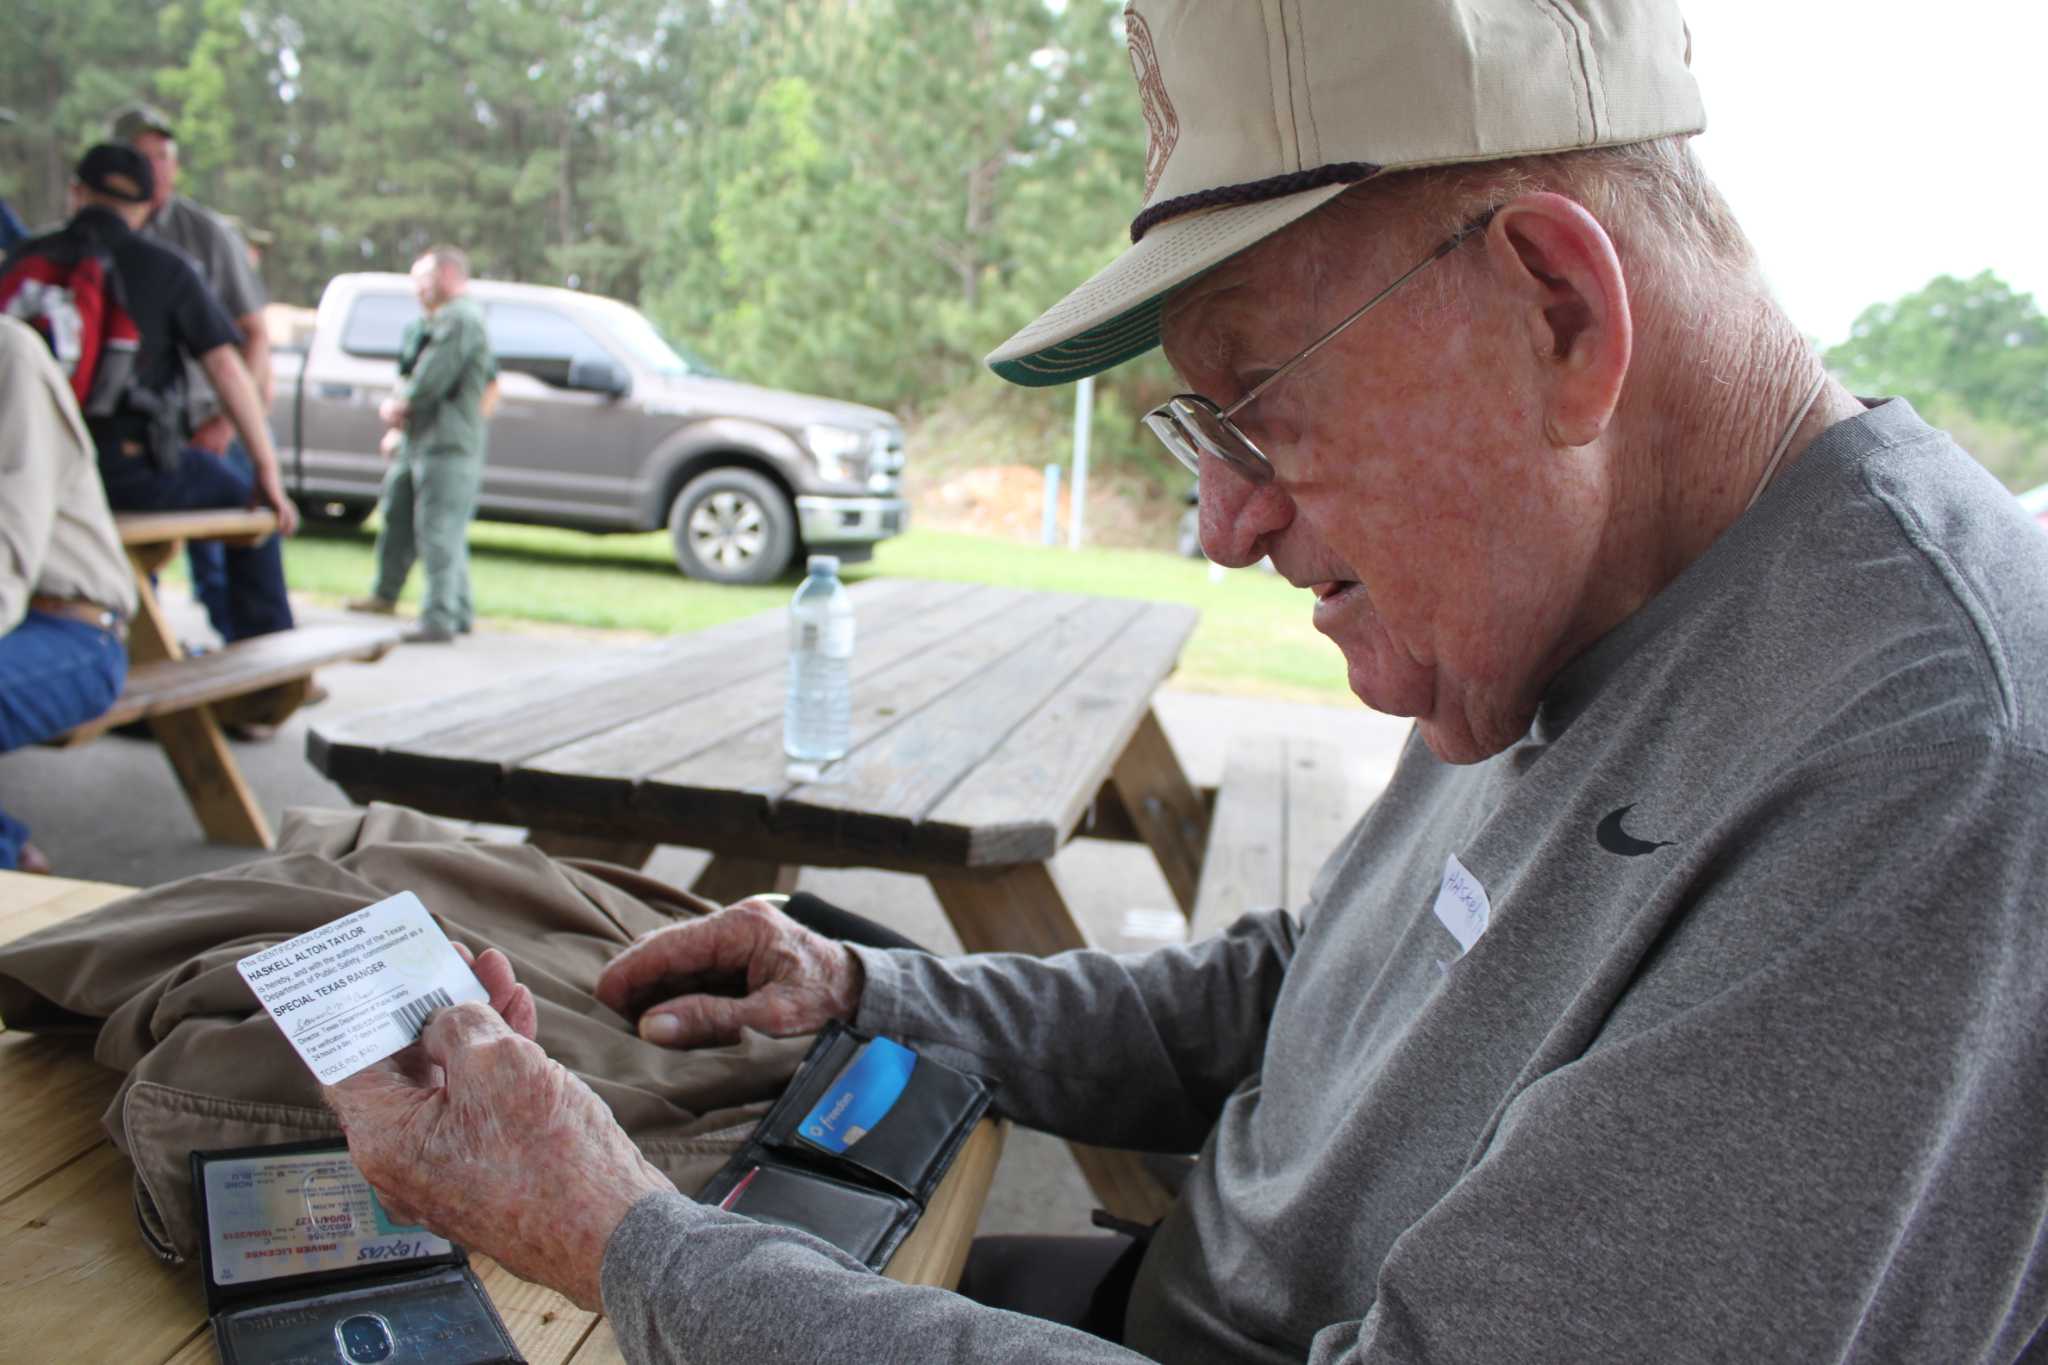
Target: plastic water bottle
x=817, y=718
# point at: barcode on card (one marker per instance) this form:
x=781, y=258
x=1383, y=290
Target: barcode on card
x=414, y=1015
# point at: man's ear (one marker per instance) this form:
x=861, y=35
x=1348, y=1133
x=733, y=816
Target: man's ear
x=1560, y=268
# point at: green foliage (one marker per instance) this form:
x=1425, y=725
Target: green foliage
x=1971, y=354
x=870, y=199
x=855, y=197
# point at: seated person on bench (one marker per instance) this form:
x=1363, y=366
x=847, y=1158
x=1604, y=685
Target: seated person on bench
x=66, y=590
x=177, y=316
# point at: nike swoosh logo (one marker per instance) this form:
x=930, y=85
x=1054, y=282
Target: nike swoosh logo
x=1615, y=839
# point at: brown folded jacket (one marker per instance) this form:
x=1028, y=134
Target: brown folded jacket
x=153, y=977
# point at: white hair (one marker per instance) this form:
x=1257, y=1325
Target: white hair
x=1670, y=227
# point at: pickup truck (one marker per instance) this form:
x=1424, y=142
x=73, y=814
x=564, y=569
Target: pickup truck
x=601, y=425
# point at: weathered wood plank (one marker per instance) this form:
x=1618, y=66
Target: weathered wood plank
x=726, y=879
x=220, y=797
x=1165, y=806
x=1324, y=800
x=673, y=735
x=482, y=737
x=601, y=1347
x=58, y=1095
x=238, y=525
x=1246, y=864
x=936, y=1249
x=624, y=852
x=880, y=795
x=890, y=705
x=546, y=1326
x=29, y=902
x=172, y=684
x=198, y=1351
x=151, y=637
x=68, y=1247
x=1028, y=795
x=1015, y=910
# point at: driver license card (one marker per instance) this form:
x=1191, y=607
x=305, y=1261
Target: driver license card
x=298, y=1213
x=353, y=992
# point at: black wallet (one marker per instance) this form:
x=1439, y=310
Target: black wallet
x=856, y=1145
x=302, y=1263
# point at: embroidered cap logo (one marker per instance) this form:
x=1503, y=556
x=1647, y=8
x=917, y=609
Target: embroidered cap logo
x=1162, y=123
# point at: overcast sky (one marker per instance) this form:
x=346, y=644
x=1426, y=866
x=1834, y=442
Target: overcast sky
x=1870, y=145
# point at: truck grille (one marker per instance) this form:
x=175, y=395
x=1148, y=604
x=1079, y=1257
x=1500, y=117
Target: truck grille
x=884, y=459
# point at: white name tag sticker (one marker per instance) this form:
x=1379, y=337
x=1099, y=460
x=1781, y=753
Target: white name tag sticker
x=1461, y=904
x=353, y=992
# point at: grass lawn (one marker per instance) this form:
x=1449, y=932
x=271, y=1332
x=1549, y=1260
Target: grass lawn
x=1255, y=637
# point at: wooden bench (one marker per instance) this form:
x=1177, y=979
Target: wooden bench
x=1283, y=804
x=69, y=1247
x=187, y=701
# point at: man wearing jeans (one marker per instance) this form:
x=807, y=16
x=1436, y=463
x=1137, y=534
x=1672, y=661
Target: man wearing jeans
x=177, y=318
x=228, y=269
x=66, y=591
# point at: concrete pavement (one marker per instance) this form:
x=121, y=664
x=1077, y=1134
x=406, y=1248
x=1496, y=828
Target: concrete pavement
x=113, y=811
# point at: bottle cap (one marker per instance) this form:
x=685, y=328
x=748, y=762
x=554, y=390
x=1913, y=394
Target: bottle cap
x=822, y=564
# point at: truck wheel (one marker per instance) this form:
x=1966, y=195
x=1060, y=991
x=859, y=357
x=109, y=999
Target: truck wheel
x=732, y=526
x=340, y=515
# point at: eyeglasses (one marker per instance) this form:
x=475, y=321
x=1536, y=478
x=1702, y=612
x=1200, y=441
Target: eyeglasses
x=1190, y=424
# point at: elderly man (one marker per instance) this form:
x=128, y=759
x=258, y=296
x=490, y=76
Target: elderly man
x=1681, y=998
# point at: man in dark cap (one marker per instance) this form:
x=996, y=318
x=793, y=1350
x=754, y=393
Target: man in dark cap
x=176, y=319
x=226, y=264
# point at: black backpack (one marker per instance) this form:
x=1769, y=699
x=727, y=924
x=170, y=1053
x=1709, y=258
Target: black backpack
x=65, y=286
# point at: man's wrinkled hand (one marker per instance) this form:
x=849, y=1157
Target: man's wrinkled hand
x=749, y=966
x=477, y=1134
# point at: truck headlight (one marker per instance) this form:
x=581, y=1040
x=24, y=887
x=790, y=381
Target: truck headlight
x=835, y=448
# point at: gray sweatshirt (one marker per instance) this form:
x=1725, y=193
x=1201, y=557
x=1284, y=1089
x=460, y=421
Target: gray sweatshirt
x=1747, y=1058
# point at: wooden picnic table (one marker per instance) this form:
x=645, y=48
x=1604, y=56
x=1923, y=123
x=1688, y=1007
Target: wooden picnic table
x=990, y=725
x=78, y=1284
x=187, y=702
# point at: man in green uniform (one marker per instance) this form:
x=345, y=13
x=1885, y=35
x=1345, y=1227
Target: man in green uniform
x=430, y=491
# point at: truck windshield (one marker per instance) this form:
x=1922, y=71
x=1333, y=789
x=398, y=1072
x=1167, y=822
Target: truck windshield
x=632, y=330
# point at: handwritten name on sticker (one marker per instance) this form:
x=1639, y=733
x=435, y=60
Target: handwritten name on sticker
x=1461, y=904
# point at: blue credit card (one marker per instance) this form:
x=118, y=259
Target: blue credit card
x=864, y=1090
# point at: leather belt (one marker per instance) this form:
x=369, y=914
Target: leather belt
x=78, y=609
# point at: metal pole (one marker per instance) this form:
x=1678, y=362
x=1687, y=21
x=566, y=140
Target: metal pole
x=1049, y=533
x=1084, y=413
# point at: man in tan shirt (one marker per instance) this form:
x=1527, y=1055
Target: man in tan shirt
x=66, y=591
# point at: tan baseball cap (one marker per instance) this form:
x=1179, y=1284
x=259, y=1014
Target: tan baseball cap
x=131, y=121
x=1262, y=110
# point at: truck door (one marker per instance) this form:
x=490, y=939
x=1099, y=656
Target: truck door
x=554, y=449
x=337, y=423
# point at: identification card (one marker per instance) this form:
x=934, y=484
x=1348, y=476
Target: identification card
x=300, y=1214
x=355, y=991
x=864, y=1090
x=1461, y=904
